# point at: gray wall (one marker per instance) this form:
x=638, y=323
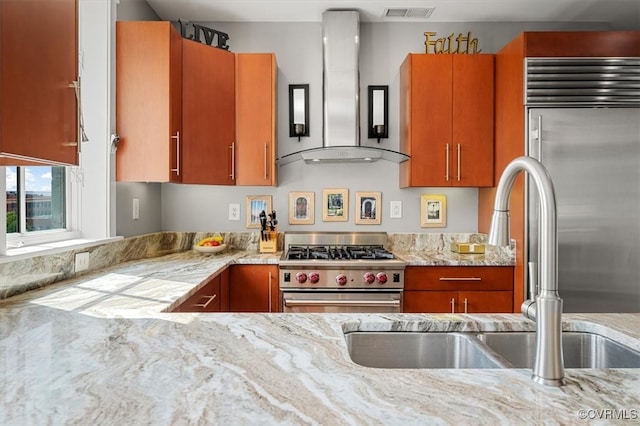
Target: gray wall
x=298, y=49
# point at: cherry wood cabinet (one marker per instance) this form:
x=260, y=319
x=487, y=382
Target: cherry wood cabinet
x=254, y=288
x=38, y=82
x=175, y=107
x=458, y=289
x=148, y=102
x=256, y=81
x=510, y=110
x=446, y=120
x=208, y=114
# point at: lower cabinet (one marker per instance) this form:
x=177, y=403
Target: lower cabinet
x=458, y=289
x=212, y=297
x=254, y=288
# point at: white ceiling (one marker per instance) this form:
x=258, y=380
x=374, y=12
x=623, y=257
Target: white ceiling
x=621, y=14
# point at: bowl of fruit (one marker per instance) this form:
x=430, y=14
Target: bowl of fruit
x=210, y=245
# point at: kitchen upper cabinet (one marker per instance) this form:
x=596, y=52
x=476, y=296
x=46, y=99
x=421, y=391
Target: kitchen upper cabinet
x=175, y=107
x=39, y=90
x=446, y=120
x=148, y=102
x=458, y=289
x=208, y=115
x=256, y=81
x=254, y=288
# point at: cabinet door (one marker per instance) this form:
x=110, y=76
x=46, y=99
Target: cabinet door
x=148, y=101
x=427, y=97
x=472, y=132
x=485, y=301
x=459, y=278
x=253, y=288
x=430, y=301
x=256, y=76
x=39, y=108
x=208, y=114
x=207, y=299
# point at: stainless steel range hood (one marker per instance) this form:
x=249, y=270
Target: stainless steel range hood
x=341, y=96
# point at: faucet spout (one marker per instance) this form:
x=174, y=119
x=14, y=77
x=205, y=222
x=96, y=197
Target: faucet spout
x=546, y=309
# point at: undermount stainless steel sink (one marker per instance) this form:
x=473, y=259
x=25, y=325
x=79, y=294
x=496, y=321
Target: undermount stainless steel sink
x=580, y=350
x=481, y=350
x=418, y=350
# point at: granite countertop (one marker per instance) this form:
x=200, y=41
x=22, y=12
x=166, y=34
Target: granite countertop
x=98, y=349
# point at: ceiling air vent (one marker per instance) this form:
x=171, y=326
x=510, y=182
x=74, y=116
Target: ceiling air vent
x=414, y=12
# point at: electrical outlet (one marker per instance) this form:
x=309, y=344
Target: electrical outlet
x=396, y=210
x=136, y=208
x=82, y=261
x=234, y=211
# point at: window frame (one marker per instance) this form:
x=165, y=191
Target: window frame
x=30, y=238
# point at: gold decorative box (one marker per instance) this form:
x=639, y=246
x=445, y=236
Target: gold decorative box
x=467, y=248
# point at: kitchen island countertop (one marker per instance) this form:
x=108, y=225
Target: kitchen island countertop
x=98, y=349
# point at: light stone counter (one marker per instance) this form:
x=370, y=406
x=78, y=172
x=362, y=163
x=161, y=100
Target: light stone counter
x=99, y=350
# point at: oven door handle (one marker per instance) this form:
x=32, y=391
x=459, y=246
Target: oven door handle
x=315, y=302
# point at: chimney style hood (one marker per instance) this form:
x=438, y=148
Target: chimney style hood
x=341, y=96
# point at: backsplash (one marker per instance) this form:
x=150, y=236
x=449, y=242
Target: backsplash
x=39, y=271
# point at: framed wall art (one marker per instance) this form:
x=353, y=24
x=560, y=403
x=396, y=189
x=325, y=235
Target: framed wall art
x=255, y=205
x=433, y=211
x=335, y=205
x=368, y=208
x=301, y=208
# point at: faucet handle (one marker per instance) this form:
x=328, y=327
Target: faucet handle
x=533, y=279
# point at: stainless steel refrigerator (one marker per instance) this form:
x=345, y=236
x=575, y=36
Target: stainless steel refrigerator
x=593, y=156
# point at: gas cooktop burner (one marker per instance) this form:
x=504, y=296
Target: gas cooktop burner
x=356, y=252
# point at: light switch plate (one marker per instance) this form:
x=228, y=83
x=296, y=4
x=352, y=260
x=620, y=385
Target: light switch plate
x=396, y=210
x=136, y=209
x=234, y=211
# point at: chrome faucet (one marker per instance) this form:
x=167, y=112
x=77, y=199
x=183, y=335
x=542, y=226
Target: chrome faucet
x=546, y=309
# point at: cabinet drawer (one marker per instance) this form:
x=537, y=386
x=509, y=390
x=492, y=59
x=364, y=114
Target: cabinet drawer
x=458, y=278
x=207, y=299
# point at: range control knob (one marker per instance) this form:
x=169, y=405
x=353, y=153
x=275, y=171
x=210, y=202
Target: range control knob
x=381, y=277
x=341, y=279
x=369, y=278
x=301, y=277
x=314, y=277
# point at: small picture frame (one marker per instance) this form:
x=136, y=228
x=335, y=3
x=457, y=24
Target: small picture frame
x=433, y=211
x=301, y=208
x=255, y=205
x=335, y=205
x=368, y=208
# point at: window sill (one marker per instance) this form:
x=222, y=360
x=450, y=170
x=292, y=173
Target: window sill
x=41, y=249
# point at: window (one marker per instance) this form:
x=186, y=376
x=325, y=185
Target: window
x=36, y=200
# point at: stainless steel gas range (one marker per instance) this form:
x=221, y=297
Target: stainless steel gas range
x=340, y=272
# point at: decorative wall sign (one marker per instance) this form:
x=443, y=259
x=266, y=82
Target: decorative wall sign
x=301, y=208
x=255, y=205
x=192, y=31
x=451, y=44
x=433, y=211
x=335, y=205
x=368, y=208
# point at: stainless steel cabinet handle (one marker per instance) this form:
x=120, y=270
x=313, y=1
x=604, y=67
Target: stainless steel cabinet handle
x=446, y=162
x=315, y=302
x=465, y=305
x=460, y=279
x=75, y=85
x=270, y=280
x=177, y=138
x=205, y=304
x=266, y=148
x=453, y=305
x=233, y=161
x=458, y=162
